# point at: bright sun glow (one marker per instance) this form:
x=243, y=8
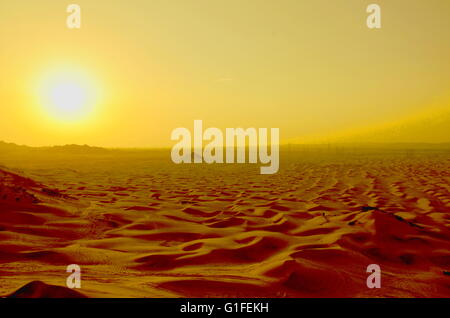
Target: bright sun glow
x=68, y=99
x=67, y=96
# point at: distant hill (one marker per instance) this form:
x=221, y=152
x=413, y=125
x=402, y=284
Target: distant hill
x=6, y=146
x=78, y=149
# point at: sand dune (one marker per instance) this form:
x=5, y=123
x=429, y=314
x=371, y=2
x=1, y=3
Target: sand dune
x=140, y=226
x=39, y=289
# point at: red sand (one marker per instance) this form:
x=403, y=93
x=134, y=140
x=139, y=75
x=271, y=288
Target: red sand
x=141, y=226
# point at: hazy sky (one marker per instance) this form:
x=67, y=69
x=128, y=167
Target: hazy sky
x=311, y=68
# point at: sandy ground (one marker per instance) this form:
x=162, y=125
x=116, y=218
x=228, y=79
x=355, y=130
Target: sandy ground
x=141, y=226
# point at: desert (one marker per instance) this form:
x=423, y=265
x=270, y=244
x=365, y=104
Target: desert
x=139, y=225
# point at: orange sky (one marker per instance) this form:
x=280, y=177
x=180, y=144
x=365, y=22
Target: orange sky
x=311, y=68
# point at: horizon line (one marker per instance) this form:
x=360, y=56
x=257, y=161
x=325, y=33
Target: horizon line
x=359, y=143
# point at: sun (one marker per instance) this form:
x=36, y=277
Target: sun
x=68, y=99
x=68, y=96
